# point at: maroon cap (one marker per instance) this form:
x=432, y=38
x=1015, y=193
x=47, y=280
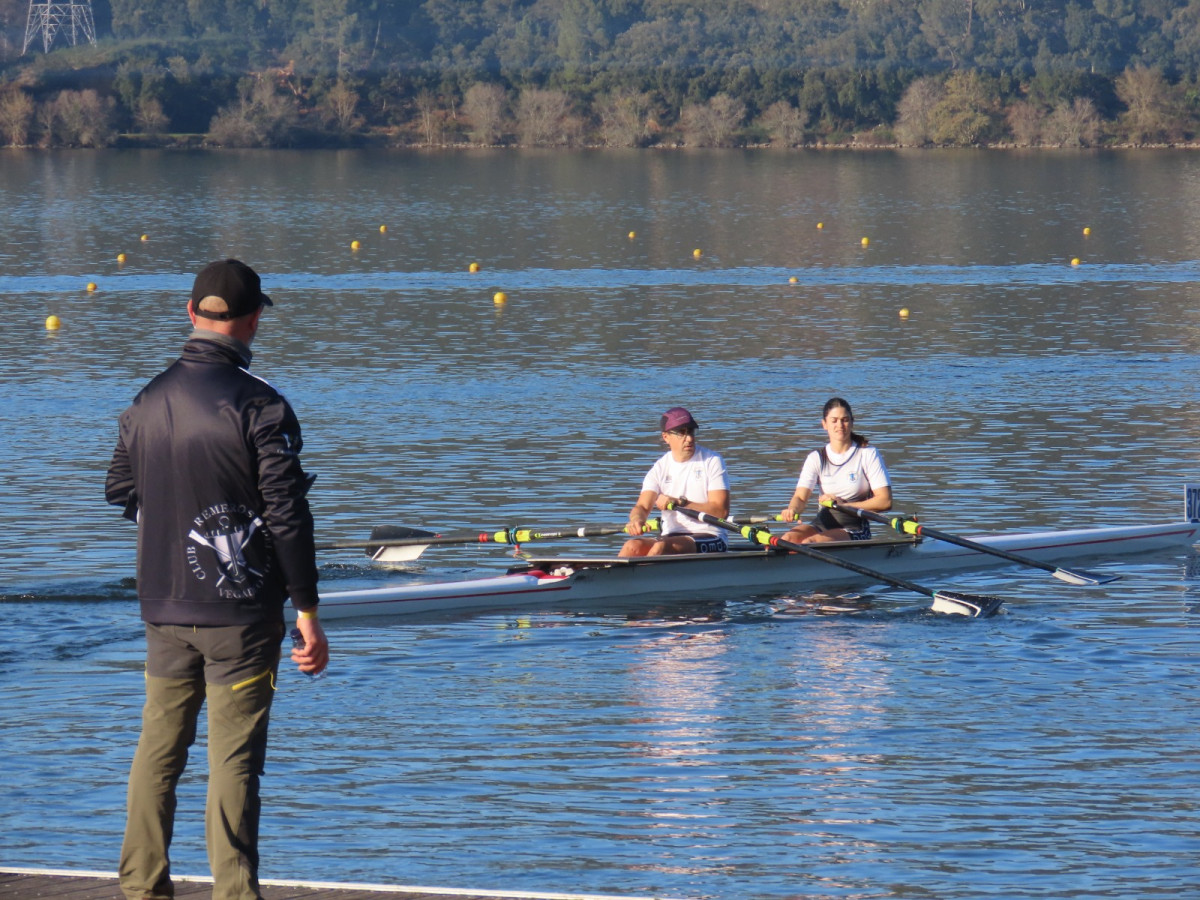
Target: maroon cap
x=232, y=281
x=677, y=417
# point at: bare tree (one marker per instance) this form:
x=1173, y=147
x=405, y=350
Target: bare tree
x=428, y=114
x=85, y=118
x=914, y=113
x=1025, y=123
x=541, y=115
x=784, y=123
x=150, y=117
x=16, y=116
x=713, y=124
x=625, y=118
x=1147, y=97
x=45, y=116
x=262, y=116
x=483, y=105
x=1074, y=124
x=341, y=107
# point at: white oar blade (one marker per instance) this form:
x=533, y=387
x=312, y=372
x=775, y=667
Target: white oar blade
x=406, y=553
x=972, y=605
x=1076, y=577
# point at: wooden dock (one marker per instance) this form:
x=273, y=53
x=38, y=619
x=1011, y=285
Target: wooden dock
x=61, y=884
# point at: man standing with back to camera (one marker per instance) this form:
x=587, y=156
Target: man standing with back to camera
x=208, y=465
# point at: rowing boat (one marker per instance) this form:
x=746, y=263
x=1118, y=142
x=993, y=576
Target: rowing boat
x=574, y=582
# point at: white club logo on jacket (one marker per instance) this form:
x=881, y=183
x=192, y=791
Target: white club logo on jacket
x=218, y=549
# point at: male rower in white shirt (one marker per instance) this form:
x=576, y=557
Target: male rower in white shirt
x=687, y=475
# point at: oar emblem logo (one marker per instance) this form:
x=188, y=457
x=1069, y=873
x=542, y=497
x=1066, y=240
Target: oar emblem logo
x=228, y=543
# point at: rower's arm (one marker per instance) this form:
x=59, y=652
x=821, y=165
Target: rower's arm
x=791, y=513
x=879, y=501
x=717, y=504
x=641, y=511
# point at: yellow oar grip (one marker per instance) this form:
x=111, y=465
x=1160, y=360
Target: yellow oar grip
x=757, y=535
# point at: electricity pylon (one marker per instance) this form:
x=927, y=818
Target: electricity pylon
x=73, y=20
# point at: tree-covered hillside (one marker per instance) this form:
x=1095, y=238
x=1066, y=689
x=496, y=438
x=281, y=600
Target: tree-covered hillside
x=612, y=72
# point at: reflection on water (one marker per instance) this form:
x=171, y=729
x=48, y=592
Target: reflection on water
x=759, y=746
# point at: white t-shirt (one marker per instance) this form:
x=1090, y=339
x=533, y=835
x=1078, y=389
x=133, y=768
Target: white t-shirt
x=849, y=476
x=693, y=478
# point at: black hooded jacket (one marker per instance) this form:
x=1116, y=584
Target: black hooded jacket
x=208, y=464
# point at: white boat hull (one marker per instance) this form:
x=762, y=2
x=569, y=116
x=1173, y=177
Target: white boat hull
x=564, y=582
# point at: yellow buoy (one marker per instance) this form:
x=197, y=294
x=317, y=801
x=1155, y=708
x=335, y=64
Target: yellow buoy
x=145, y=237
x=473, y=267
x=120, y=257
x=499, y=298
x=1086, y=232
x=354, y=245
x=820, y=226
x=632, y=235
x=696, y=253
x=864, y=242
x=1075, y=261
x=91, y=286
x=904, y=312
x=383, y=229
x=53, y=323
x=793, y=280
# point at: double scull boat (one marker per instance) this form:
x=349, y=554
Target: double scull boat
x=572, y=582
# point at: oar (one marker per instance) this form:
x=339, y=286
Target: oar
x=417, y=540
x=388, y=536
x=911, y=526
x=943, y=601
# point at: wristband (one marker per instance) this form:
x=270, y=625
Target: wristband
x=306, y=614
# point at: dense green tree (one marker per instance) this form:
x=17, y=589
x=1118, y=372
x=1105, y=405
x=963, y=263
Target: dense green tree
x=968, y=112
x=581, y=33
x=947, y=26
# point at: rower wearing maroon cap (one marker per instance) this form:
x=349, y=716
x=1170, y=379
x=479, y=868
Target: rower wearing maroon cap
x=686, y=475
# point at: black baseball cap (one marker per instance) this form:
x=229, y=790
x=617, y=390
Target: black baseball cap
x=232, y=281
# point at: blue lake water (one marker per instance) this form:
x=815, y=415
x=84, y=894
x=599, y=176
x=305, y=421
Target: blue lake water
x=748, y=746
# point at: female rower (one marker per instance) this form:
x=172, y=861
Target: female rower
x=686, y=475
x=845, y=469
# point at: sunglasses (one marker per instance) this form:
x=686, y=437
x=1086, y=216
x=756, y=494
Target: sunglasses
x=680, y=432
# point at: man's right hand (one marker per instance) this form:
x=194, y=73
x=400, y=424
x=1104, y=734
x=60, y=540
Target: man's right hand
x=313, y=657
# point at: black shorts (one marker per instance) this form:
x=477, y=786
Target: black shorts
x=858, y=529
x=705, y=543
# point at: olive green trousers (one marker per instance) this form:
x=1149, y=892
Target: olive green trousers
x=238, y=717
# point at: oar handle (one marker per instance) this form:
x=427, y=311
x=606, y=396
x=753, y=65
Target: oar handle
x=900, y=523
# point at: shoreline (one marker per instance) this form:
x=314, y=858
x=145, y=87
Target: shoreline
x=193, y=142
